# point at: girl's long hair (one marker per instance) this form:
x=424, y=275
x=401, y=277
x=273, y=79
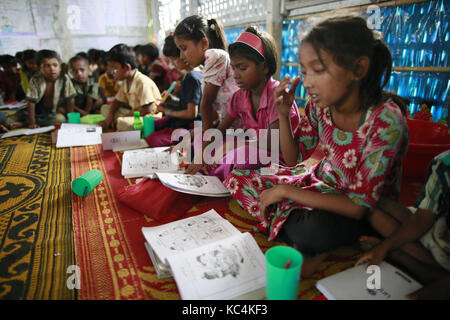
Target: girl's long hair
x=196, y=27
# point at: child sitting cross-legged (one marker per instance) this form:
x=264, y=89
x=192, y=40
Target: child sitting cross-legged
x=137, y=93
x=87, y=99
x=50, y=95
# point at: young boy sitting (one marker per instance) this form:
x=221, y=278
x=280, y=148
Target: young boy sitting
x=109, y=85
x=137, y=93
x=154, y=66
x=10, y=79
x=50, y=94
x=190, y=94
x=417, y=237
x=87, y=99
x=28, y=67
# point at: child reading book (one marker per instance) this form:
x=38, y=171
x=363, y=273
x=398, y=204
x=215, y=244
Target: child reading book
x=179, y=116
x=254, y=61
x=362, y=131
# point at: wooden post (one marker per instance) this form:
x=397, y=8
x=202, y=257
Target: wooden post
x=274, y=26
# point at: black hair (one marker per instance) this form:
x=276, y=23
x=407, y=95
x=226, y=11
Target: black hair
x=101, y=57
x=270, y=51
x=19, y=57
x=150, y=50
x=122, y=54
x=83, y=54
x=196, y=27
x=9, y=61
x=28, y=55
x=170, y=49
x=93, y=55
x=77, y=58
x=347, y=38
x=46, y=54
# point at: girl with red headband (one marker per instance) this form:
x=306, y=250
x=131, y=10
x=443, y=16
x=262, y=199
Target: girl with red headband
x=253, y=60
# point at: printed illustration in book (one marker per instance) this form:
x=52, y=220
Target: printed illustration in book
x=208, y=257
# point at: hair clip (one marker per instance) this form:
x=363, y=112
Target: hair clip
x=187, y=27
x=377, y=35
x=212, y=27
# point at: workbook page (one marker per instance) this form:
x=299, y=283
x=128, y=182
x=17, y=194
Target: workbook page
x=185, y=234
x=223, y=270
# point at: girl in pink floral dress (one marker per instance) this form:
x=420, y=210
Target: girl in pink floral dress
x=363, y=134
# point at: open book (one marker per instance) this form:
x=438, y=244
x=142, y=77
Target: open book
x=209, y=186
x=27, y=131
x=359, y=283
x=146, y=162
x=208, y=258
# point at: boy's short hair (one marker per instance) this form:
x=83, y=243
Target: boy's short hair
x=46, y=54
x=170, y=49
x=77, y=58
x=8, y=61
x=122, y=54
x=28, y=55
x=150, y=50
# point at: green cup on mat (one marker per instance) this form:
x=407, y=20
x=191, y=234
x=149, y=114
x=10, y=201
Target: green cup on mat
x=283, y=268
x=74, y=117
x=149, y=126
x=83, y=185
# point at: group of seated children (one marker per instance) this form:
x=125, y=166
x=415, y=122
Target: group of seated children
x=349, y=195
x=86, y=84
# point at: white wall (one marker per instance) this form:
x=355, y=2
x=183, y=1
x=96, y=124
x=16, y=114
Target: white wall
x=70, y=26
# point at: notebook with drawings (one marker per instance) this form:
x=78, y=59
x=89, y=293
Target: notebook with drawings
x=208, y=257
x=146, y=162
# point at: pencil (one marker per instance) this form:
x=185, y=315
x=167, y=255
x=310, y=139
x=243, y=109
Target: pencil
x=288, y=264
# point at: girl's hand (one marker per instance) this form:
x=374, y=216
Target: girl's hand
x=376, y=255
x=284, y=97
x=270, y=196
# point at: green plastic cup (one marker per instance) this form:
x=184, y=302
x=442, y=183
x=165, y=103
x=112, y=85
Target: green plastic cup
x=74, y=117
x=282, y=281
x=149, y=126
x=83, y=185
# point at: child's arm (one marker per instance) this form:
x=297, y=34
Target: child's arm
x=189, y=113
x=283, y=101
x=31, y=115
x=336, y=203
x=146, y=109
x=109, y=121
x=70, y=105
x=414, y=227
x=87, y=109
x=208, y=114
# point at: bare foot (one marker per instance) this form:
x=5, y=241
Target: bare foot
x=366, y=243
x=310, y=264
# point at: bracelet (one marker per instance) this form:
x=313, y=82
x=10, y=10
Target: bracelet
x=168, y=112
